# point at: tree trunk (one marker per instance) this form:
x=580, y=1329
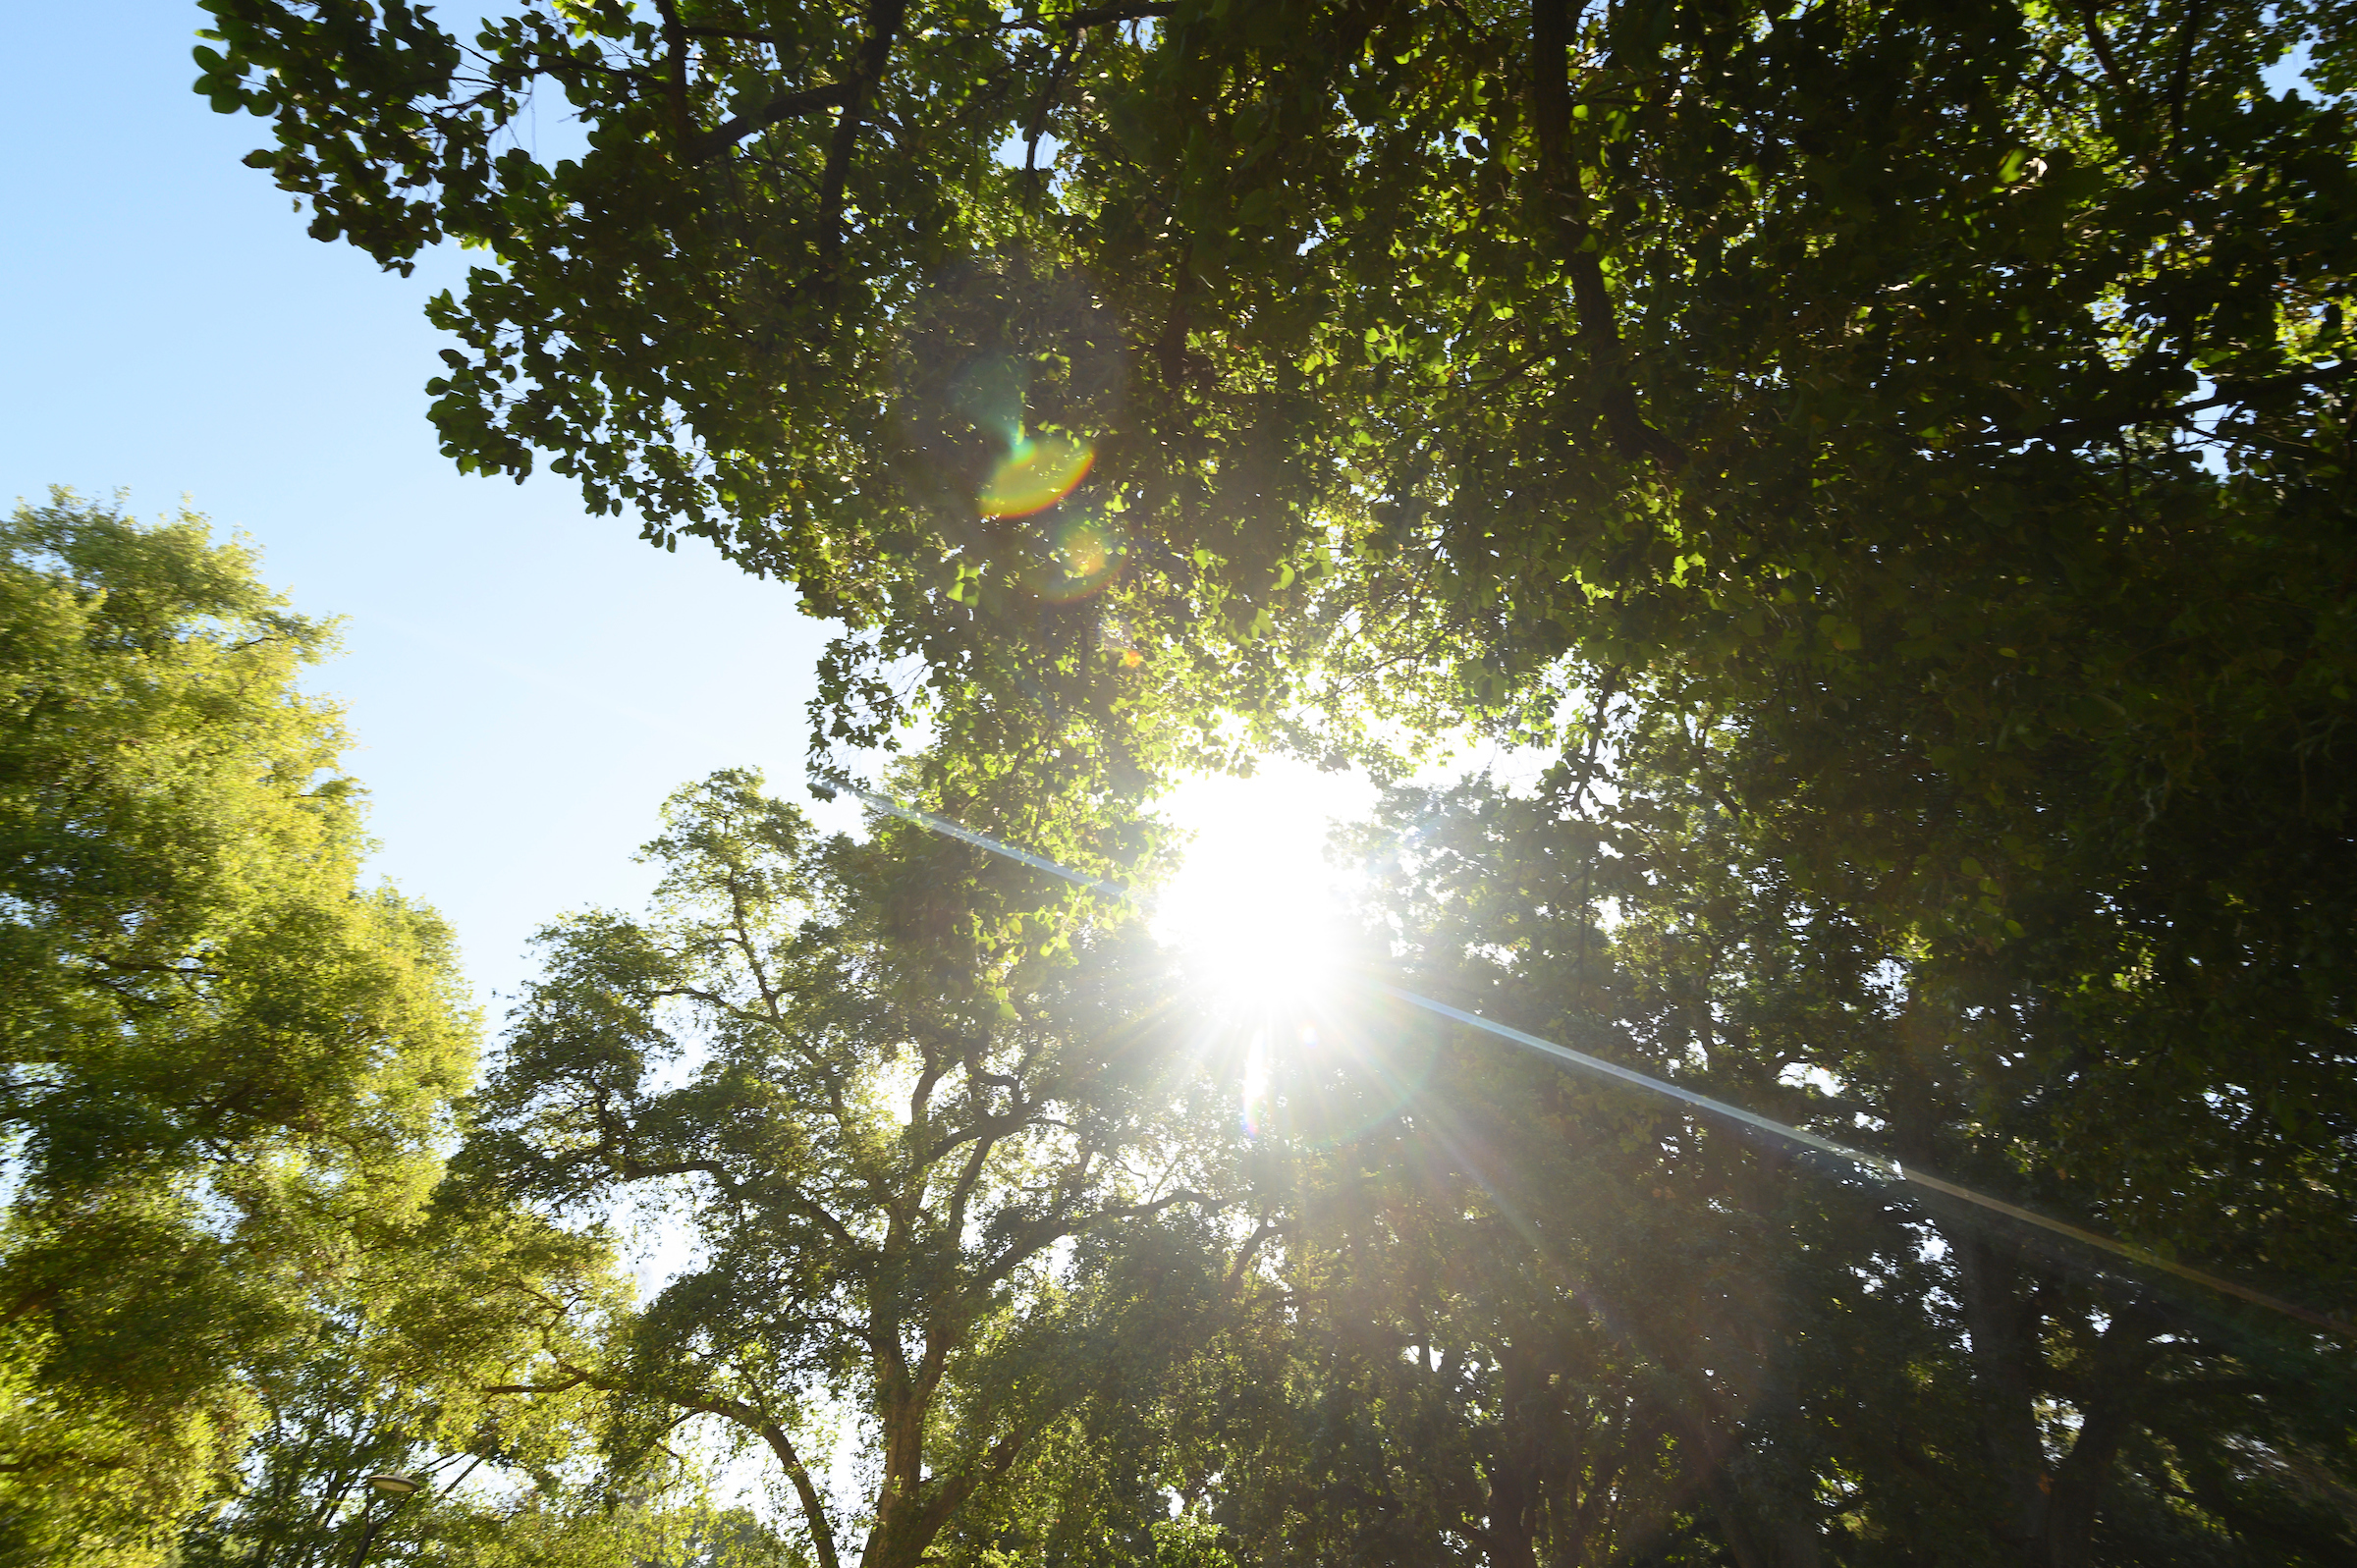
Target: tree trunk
x=1514, y=1465
x=2004, y=1357
x=2108, y=1407
x=898, y=1539
x=2050, y=1506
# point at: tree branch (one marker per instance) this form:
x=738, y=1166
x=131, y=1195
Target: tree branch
x=971, y=1176
x=2101, y=42
x=1040, y=1235
x=760, y=1423
x=992, y=1127
x=674, y=70
x=749, y=36
x=955, y=1489
x=1598, y=332
x=1243, y=1259
x=814, y=1508
x=569, y=1383
x=750, y=1417
x=2188, y=32
x=1097, y=16
x=784, y=106
x=643, y=1170
x=2228, y=394
x=884, y=18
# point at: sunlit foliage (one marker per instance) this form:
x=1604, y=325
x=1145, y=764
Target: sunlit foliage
x=225, y=1062
x=1417, y=345
x=231, y=1276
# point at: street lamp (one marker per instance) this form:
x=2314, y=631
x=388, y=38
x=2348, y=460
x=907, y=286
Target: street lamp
x=390, y=1485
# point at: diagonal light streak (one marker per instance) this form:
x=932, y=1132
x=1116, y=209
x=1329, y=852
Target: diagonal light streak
x=1882, y=1166
x=1887, y=1169
x=983, y=840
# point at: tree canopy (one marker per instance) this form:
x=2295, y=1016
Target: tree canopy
x=231, y=1272
x=1936, y=413
x=1893, y=457
x=924, y=1178
x=1414, y=345
x=225, y=1062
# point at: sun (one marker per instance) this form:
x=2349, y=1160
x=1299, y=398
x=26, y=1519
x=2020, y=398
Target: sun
x=1254, y=910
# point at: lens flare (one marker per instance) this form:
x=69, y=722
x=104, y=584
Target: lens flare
x=1254, y=910
x=1036, y=473
x=1081, y=556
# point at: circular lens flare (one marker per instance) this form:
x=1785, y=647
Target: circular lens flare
x=1036, y=473
x=1081, y=556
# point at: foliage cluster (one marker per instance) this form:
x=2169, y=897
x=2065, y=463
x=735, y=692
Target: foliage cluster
x=224, y=1063
x=231, y=1276
x=1421, y=347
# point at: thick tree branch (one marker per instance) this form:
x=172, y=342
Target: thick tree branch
x=748, y=34
x=760, y=1423
x=133, y=966
x=784, y=106
x=1048, y=91
x=654, y=1170
x=1267, y=1230
x=2101, y=42
x=675, y=72
x=750, y=1417
x=814, y=1508
x=628, y=1168
x=955, y=1489
x=967, y=1181
x=884, y=18
x=992, y=1127
x=31, y=1301
x=569, y=1383
x=1042, y=1233
x=1552, y=25
x=2188, y=32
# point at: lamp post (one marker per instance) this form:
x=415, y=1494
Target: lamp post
x=391, y=1485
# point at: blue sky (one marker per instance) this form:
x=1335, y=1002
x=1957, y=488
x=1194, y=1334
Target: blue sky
x=526, y=680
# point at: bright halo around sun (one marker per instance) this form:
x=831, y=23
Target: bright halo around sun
x=1253, y=910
